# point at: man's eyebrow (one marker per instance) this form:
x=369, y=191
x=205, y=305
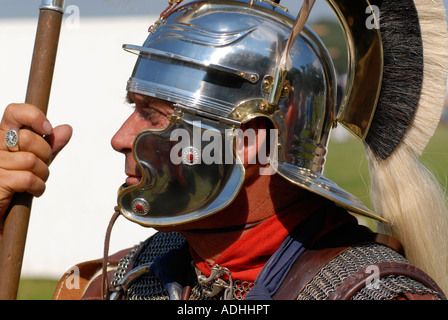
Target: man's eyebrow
x=143, y=100
x=136, y=98
x=129, y=97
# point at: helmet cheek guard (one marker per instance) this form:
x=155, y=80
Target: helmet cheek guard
x=185, y=176
x=217, y=61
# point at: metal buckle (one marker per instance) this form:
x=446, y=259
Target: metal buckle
x=124, y=284
x=215, y=284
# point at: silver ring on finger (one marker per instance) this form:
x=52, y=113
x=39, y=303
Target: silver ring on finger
x=12, y=140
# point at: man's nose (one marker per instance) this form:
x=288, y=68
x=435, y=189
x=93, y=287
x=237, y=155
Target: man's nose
x=123, y=139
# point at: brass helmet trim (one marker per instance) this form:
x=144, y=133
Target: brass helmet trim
x=365, y=65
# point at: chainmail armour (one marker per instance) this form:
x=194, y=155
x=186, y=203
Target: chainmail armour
x=329, y=277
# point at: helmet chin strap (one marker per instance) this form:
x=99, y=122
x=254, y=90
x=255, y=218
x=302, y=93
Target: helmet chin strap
x=105, y=292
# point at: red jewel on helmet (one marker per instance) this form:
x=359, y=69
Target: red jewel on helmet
x=190, y=156
x=140, y=206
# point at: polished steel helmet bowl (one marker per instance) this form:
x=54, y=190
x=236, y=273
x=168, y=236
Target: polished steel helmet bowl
x=216, y=62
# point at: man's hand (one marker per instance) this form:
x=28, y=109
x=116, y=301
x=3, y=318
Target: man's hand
x=24, y=168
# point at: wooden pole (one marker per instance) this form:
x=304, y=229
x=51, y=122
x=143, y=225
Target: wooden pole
x=38, y=94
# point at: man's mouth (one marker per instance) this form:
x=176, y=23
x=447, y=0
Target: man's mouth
x=133, y=180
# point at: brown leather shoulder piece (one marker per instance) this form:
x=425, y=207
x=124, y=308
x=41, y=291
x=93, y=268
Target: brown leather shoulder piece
x=78, y=280
x=416, y=296
x=312, y=261
x=93, y=289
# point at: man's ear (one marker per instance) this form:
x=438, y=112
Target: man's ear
x=253, y=138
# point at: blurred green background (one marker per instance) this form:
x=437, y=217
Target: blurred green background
x=347, y=165
x=36, y=289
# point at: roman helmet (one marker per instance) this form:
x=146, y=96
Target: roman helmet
x=222, y=63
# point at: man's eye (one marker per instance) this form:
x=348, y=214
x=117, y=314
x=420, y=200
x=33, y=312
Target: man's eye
x=149, y=112
x=146, y=112
x=154, y=117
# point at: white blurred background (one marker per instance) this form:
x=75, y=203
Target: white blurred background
x=69, y=221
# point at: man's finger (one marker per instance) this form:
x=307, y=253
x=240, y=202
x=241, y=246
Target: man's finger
x=21, y=115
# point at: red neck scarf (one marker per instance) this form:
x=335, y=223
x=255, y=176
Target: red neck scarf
x=246, y=257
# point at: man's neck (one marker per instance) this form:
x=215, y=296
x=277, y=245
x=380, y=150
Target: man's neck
x=256, y=202
x=231, y=224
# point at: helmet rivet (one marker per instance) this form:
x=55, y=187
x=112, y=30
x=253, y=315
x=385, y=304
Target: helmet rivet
x=140, y=206
x=267, y=84
x=285, y=90
x=190, y=156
